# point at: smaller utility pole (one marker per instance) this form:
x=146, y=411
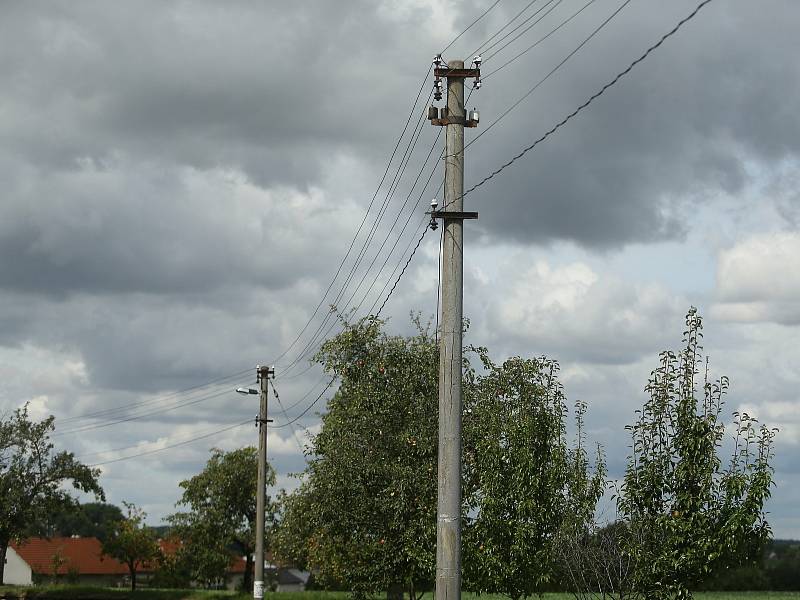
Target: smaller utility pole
x=263, y=374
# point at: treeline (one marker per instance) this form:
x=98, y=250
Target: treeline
x=777, y=569
x=364, y=518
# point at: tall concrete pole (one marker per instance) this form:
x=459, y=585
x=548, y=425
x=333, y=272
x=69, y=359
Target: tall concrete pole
x=264, y=374
x=448, y=520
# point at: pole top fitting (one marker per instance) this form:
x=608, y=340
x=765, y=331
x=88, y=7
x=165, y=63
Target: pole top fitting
x=264, y=371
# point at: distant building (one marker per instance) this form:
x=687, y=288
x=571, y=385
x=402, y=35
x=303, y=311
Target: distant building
x=291, y=580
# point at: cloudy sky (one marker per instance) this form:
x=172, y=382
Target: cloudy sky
x=179, y=183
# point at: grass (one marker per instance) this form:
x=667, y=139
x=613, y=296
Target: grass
x=78, y=592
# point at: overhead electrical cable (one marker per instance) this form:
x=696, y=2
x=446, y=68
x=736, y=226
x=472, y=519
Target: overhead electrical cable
x=140, y=403
x=549, y=74
x=481, y=16
x=171, y=446
x=362, y=253
x=285, y=414
x=361, y=224
x=540, y=40
x=592, y=98
x=308, y=408
x=397, y=145
x=141, y=443
x=552, y=4
x=391, y=251
x=142, y=415
x=499, y=31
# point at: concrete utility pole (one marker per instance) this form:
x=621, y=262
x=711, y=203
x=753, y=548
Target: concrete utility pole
x=263, y=374
x=448, y=520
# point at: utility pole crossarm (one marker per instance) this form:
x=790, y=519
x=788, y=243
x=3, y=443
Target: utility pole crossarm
x=454, y=72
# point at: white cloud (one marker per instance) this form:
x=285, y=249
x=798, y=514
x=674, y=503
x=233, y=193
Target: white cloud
x=572, y=312
x=758, y=279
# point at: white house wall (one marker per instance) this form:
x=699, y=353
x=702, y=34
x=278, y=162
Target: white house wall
x=17, y=570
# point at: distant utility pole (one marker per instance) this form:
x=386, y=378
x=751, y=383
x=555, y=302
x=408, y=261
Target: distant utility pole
x=448, y=519
x=263, y=374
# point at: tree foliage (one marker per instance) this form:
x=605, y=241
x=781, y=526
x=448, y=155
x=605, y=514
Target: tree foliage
x=687, y=513
x=92, y=519
x=528, y=486
x=370, y=492
x=365, y=515
x=32, y=478
x=132, y=542
x=220, y=522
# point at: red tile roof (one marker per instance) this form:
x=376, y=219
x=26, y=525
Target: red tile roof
x=83, y=555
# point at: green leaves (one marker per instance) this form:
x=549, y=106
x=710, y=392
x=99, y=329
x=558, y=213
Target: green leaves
x=687, y=515
x=365, y=515
x=527, y=485
x=131, y=541
x=32, y=477
x=222, y=512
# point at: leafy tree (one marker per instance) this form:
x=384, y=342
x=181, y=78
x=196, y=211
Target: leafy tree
x=93, y=519
x=687, y=514
x=528, y=485
x=365, y=515
x=132, y=542
x=32, y=478
x=222, y=515
x=370, y=494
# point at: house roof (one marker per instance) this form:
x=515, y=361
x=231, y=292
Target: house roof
x=83, y=555
x=293, y=576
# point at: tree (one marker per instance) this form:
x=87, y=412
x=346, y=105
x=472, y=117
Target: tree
x=132, y=542
x=222, y=503
x=526, y=485
x=32, y=478
x=687, y=514
x=93, y=519
x=365, y=515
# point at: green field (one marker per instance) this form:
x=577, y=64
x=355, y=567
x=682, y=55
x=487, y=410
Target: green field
x=72, y=592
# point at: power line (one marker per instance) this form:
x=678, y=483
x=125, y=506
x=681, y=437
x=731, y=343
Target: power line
x=499, y=31
x=291, y=426
x=399, y=277
x=308, y=348
x=552, y=71
x=140, y=403
x=539, y=41
x=554, y=3
x=486, y=12
x=593, y=97
x=347, y=254
x=361, y=225
x=362, y=253
x=388, y=256
x=138, y=416
x=308, y=408
x=82, y=457
x=184, y=443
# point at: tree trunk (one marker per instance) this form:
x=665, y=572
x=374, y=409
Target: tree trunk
x=395, y=592
x=3, y=550
x=247, y=582
x=132, y=569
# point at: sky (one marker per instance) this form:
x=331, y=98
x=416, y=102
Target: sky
x=179, y=183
